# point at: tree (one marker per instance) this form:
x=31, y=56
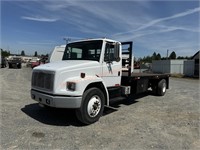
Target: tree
x=154, y=56
x=158, y=57
x=22, y=53
x=4, y=53
x=147, y=59
x=172, y=55
x=184, y=57
x=36, y=54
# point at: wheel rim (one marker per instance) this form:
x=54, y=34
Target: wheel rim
x=164, y=87
x=94, y=106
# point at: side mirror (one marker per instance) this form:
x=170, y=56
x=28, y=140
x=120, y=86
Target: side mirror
x=116, y=52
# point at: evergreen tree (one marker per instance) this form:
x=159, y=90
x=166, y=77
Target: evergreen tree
x=5, y=53
x=158, y=57
x=154, y=56
x=172, y=55
x=22, y=53
x=35, y=54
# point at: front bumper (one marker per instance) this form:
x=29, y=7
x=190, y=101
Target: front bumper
x=56, y=101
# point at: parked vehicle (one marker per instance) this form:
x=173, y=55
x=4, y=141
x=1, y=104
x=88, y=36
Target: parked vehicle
x=15, y=62
x=92, y=73
x=35, y=64
x=56, y=55
x=33, y=60
x=41, y=61
x=3, y=62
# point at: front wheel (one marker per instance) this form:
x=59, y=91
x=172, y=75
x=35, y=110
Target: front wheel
x=92, y=106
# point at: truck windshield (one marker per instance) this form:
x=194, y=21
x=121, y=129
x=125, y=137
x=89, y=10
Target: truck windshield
x=87, y=50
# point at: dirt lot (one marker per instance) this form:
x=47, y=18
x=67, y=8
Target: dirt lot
x=144, y=122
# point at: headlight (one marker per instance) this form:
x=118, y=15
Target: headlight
x=71, y=86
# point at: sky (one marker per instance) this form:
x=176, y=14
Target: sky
x=152, y=25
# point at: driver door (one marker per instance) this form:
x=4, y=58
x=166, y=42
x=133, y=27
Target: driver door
x=112, y=64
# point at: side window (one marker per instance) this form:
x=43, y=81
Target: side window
x=112, y=52
x=76, y=53
x=73, y=53
x=94, y=54
x=91, y=53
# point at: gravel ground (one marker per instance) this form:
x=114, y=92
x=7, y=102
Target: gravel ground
x=143, y=122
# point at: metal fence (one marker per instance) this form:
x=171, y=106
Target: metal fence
x=187, y=68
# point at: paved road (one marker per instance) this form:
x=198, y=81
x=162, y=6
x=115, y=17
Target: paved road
x=145, y=122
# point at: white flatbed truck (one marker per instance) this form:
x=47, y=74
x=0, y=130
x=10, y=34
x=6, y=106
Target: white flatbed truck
x=90, y=74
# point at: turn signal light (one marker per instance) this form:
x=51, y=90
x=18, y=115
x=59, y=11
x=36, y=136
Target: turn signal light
x=71, y=86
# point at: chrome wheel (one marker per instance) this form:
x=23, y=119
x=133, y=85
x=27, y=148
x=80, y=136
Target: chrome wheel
x=164, y=87
x=94, y=106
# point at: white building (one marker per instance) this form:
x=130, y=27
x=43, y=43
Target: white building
x=185, y=67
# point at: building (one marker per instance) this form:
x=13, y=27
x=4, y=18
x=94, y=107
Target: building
x=184, y=67
x=196, y=64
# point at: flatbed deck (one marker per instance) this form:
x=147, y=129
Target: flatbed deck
x=140, y=82
x=144, y=75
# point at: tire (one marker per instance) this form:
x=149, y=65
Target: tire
x=162, y=86
x=92, y=106
x=154, y=88
x=20, y=66
x=10, y=66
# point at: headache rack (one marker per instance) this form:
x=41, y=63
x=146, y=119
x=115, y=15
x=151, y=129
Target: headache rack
x=127, y=58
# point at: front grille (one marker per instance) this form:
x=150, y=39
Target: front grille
x=43, y=80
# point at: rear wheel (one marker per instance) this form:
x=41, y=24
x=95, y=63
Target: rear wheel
x=92, y=106
x=162, y=86
x=154, y=88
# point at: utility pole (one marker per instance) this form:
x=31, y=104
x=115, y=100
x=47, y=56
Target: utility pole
x=167, y=53
x=67, y=40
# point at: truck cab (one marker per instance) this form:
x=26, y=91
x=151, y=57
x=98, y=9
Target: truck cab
x=90, y=73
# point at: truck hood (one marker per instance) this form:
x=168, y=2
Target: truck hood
x=68, y=65
x=59, y=73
